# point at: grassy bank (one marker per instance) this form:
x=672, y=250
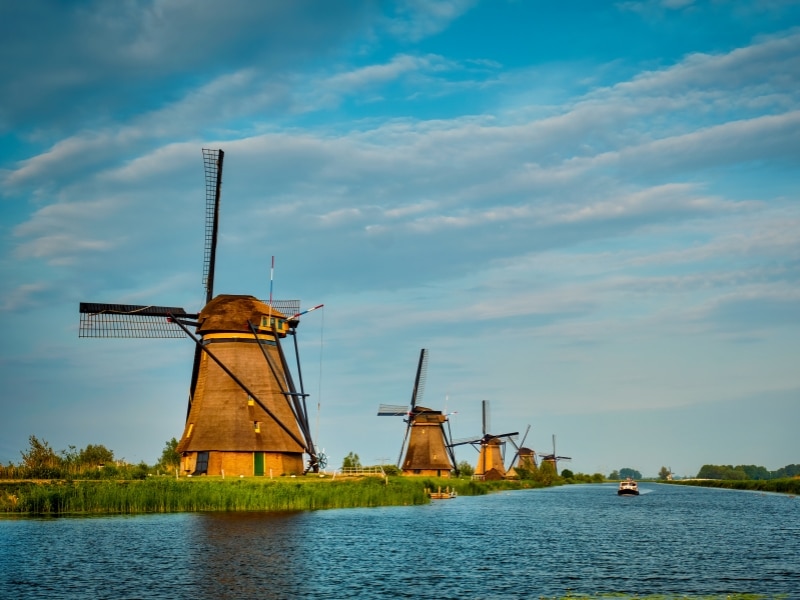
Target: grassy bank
x=789, y=485
x=162, y=495
x=667, y=597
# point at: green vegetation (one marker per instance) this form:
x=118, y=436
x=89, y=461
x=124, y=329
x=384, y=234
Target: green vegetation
x=95, y=461
x=465, y=469
x=165, y=494
x=170, y=457
x=788, y=485
x=665, y=597
x=746, y=472
x=570, y=477
x=351, y=461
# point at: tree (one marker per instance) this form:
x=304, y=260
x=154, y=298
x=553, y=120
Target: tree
x=546, y=473
x=614, y=475
x=755, y=472
x=95, y=456
x=40, y=460
x=391, y=470
x=567, y=474
x=628, y=472
x=664, y=474
x=351, y=461
x=170, y=457
x=465, y=469
x=787, y=471
x=70, y=460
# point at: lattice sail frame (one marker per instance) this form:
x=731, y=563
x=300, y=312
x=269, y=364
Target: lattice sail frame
x=130, y=321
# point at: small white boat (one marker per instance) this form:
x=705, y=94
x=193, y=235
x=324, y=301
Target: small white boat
x=628, y=488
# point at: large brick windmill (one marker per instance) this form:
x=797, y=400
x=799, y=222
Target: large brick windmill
x=245, y=414
x=429, y=451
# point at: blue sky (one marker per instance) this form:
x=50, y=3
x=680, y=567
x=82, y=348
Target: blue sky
x=586, y=212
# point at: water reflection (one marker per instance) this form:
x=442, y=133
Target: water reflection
x=248, y=555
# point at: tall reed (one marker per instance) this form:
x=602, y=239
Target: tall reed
x=164, y=494
x=188, y=495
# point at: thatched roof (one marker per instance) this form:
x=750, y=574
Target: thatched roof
x=231, y=313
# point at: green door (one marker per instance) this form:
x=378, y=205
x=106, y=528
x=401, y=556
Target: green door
x=258, y=463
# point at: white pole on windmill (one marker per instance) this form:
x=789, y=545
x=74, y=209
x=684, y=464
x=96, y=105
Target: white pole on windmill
x=271, y=275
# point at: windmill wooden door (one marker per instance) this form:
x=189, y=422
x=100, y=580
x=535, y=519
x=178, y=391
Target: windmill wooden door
x=258, y=464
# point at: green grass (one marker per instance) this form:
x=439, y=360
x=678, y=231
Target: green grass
x=789, y=485
x=163, y=494
x=664, y=597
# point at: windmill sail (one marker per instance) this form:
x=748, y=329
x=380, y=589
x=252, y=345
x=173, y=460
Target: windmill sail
x=524, y=458
x=212, y=161
x=212, y=164
x=130, y=321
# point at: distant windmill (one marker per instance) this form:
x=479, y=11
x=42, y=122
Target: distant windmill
x=524, y=458
x=429, y=452
x=553, y=458
x=491, y=448
x=245, y=414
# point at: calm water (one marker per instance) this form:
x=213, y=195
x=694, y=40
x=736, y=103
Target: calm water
x=512, y=545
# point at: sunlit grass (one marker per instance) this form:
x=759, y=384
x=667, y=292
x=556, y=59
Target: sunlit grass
x=787, y=485
x=166, y=495
x=664, y=597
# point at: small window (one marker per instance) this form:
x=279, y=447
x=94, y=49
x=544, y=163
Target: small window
x=189, y=431
x=250, y=401
x=257, y=426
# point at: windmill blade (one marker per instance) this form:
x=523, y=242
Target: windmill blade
x=525, y=436
x=392, y=410
x=462, y=441
x=419, y=381
x=518, y=446
x=502, y=435
x=403, y=446
x=513, y=439
x=447, y=437
x=212, y=162
x=485, y=416
x=130, y=321
x=198, y=356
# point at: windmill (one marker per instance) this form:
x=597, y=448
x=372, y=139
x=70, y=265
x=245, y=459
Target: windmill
x=553, y=458
x=491, y=449
x=429, y=452
x=524, y=458
x=245, y=414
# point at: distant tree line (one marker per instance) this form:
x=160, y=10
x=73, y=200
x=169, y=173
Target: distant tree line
x=746, y=472
x=624, y=473
x=95, y=461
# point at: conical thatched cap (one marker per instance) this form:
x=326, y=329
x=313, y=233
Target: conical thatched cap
x=231, y=313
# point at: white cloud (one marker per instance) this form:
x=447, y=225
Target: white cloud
x=418, y=19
